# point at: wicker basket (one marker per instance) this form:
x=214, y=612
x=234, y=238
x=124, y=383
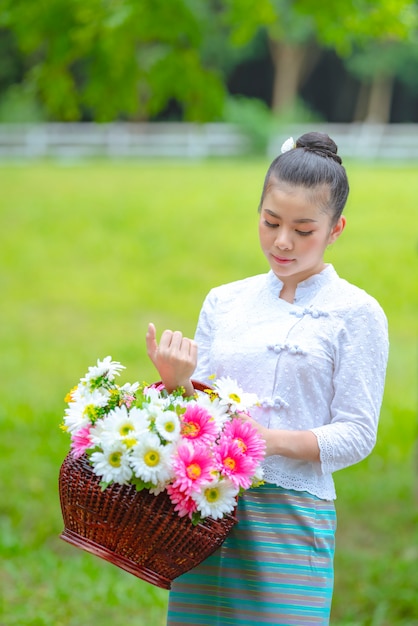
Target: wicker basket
x=135, y=530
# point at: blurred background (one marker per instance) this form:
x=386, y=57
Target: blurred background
x=134, y=139
x=257, y=65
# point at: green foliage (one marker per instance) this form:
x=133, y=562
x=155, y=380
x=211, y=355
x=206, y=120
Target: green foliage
x=107, y=60
x=394, y=58
x=115, y=58
x=260, y=124
x=89, y=255
x=19, y=104
x=343, y=24
x=338, y=24
x=254, y=118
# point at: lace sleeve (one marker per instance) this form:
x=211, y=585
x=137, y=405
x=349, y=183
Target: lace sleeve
x=359, y=373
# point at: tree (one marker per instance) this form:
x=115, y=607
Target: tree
x=378, y=65
x=298, y=30
x=111, y=58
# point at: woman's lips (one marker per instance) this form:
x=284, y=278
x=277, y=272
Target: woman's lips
x=282, y=260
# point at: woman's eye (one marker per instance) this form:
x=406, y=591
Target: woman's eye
x=304, y=233
x=269, y=224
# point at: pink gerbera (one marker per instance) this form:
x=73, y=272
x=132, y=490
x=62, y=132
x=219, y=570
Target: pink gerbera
x=192, y=466
x=198, y=425
x=247, y=437
x=232, y=463
x=184, y=504
x=157, y=386
x=80, y=442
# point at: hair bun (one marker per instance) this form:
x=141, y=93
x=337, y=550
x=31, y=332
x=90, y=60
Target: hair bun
x=321, y=144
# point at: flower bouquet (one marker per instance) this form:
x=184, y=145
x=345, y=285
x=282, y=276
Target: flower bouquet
x=152, y=478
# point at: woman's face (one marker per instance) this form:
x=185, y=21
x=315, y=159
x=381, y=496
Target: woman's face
x=295, y=230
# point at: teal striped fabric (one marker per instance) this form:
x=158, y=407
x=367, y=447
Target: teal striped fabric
x=276, y=567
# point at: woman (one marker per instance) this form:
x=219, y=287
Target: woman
x=314, y=349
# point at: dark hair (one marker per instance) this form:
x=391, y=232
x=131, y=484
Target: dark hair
x=313, y=163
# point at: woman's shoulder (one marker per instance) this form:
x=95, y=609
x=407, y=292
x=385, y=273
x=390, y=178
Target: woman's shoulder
x=350, y=300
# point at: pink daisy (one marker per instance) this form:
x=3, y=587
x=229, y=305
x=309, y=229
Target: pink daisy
x=80, y=442
x=184, y=504
x=232, y=463
x=198, y=425
x=247, y=437
x=192, y=466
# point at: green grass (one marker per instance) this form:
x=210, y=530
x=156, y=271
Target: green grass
x=89, y=254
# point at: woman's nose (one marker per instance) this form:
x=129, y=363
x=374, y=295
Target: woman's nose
x=283, y=240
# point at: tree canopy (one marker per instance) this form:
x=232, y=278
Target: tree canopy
x=128, y=59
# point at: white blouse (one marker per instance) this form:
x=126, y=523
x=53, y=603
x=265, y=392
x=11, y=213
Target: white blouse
x=318, y=364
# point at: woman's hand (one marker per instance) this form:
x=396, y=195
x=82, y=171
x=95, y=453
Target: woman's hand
x=293, y=444
x=175, y=358
x=262, y=430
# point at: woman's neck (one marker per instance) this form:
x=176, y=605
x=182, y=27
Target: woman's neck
x=288, y=293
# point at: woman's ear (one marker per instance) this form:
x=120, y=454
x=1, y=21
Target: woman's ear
x=337, y=229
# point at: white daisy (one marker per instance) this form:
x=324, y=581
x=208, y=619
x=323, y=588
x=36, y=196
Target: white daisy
x=140, y=419
x=91, y=396
x=127, y=392
x=218, y=411
x=96, y=432
x=130, y=388
x=79, y=413
x=75, y=417
x=156, y=400
x=112, y=464
x=167, y=424
x=230, y=393
x=216, y=498
x=120, y=425
x=150, y=460
x=107, y=368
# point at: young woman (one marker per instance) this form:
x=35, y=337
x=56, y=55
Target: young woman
x=314, y=349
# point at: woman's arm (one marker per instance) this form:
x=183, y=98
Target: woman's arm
x=293, y=444
x=175, y=358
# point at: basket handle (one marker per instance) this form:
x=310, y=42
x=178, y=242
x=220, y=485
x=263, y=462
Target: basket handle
x=196, y=385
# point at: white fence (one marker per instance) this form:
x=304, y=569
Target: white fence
x=364, y=141
x=68, y=140
x=119, y=140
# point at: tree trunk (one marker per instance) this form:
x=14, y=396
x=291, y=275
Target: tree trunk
x=380, y=100
x=362, y=101
x=292, y=65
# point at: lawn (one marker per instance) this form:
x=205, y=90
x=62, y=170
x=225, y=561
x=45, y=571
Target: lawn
x=90, y=253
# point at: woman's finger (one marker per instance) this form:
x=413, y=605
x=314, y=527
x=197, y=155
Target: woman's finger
x=151, y=341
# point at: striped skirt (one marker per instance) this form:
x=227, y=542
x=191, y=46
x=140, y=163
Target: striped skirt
x=276, y=567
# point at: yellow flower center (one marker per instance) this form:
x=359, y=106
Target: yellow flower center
x=125, y=429
x=91, y=412
x=230, y=463
x=234, y=397
x=212, y=494
x=152, y=458
x=241, y=444
x=193, y=471
x=191, y=429
x=169, y=427
x=115, y=459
